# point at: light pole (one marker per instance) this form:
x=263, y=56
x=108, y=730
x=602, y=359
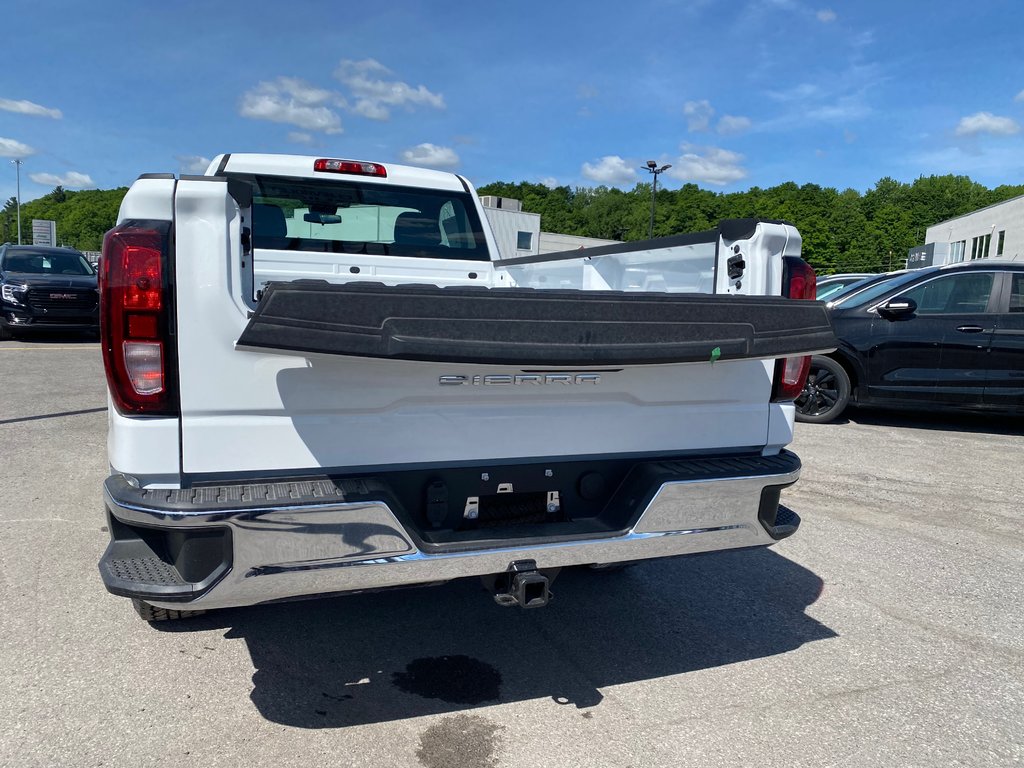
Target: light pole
x=652, y=167
x=17, y=164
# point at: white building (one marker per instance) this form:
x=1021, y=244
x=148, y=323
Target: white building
x=996, y=231
x=518, y=232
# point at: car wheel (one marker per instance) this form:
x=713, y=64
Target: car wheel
x=826, y=392
x=152, y=613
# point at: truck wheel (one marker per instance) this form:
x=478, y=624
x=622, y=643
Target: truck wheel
x=826, y=393
x=152, y=613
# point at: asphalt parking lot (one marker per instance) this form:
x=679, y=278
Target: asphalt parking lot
x=888, y=632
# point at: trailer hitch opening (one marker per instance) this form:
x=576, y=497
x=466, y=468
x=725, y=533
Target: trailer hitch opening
x=522, y=584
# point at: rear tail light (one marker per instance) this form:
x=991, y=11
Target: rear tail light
x=135, y=318
x=790, y=376
x=798, y=278
x=354, y=167
x=798, y=282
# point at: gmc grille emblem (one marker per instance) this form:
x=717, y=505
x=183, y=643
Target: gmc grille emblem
x=62, y=295
x=511, y=380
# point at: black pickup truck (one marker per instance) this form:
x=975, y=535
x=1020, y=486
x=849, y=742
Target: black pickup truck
x=43, y=287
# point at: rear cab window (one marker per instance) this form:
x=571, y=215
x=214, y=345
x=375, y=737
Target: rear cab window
x=356, y=217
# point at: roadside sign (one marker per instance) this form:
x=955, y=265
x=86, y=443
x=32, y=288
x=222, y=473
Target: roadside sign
x=44, y=232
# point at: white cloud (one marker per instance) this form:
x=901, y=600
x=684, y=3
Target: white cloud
x=986, y=122
x=195, y=164
x=549, y=181
x=71, y=180
x=842, y=110
x=431, y=155
x=698, y=114
x=29, y=108
x=1019, y=96
x=711, y=165
x=820, y=153
x=14, y=148
x=301, y=137
x=611, y=170
x=796, y=93
x=295, y=102
x=729, y=125
x=826, y=15
x=374, y=93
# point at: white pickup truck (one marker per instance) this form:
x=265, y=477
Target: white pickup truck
x=323, y=379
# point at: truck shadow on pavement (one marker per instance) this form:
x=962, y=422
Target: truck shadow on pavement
x=387, y=656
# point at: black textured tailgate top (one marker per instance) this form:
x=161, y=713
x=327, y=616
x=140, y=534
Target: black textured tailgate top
x=524, y=326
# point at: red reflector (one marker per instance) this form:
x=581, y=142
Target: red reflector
x=355, y=167
x=142, y=326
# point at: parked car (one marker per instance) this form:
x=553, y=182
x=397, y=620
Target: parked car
x=43, y=287
x=850, y=290
x=939, y=337
x=832, y=284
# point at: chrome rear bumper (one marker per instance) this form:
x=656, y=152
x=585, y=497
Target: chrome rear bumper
x=276, y=550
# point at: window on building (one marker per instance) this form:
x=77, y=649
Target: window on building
x=979, y=246
x=1000, y=242
x=956, y=251
x=524, y=241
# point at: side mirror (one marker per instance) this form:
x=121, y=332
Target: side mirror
x=898, y=309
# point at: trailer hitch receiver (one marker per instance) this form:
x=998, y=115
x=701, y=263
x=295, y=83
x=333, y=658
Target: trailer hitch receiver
x=522, y=585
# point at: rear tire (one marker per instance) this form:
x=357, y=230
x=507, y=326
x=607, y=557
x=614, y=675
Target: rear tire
x=826, y=392
x=151, y=613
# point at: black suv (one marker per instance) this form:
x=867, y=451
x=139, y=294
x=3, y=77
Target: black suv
x=935, y=338
x=43, y=287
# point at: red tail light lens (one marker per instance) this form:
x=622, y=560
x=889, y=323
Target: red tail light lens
x=798, y=282
x=790, y=376
x=798, y=279
x=350, y=166
x=134, y=318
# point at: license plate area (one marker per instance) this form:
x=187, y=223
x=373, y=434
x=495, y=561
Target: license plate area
x=510, y=508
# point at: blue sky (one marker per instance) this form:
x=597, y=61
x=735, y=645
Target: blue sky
x=732, y=94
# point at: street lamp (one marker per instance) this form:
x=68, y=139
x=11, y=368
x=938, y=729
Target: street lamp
x=652, y=167
x=17, y=163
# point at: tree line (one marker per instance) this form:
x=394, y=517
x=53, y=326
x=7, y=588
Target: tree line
x=82, y=217
x=842, y=231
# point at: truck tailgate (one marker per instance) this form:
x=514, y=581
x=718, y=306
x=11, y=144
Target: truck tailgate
x=523, y=326
x=261, y=406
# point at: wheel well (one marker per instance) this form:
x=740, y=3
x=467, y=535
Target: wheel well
x=850, y=369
